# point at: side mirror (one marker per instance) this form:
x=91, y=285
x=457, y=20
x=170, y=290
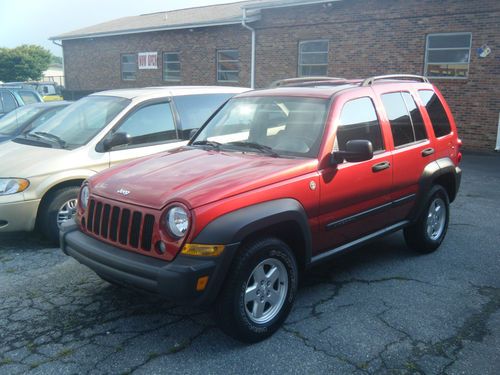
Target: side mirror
x=117, y=139
x=192, y=133
x=355, y=151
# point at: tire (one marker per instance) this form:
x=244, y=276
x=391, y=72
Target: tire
x=248, y=320
x=427, y=233
x=52, y=207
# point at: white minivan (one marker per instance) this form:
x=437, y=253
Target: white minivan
x=41, y=171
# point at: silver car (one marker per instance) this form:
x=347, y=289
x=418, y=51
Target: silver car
x=41, y=171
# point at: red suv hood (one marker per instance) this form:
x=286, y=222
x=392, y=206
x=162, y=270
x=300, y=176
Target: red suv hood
x=194, y=176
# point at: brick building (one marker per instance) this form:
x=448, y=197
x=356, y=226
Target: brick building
x=454, y=42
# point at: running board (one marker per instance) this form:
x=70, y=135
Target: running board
x=357, y=243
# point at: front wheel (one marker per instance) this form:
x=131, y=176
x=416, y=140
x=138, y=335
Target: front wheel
x=259, y=291
x=427, y=233
x=59, y=206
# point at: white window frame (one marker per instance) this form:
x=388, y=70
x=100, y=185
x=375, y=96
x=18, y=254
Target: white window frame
x=122, y=66
x=299, y=65
x=427, y=49
x=165, y=62
x=219, y=51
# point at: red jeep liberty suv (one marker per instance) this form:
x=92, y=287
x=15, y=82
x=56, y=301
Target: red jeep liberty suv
x=276, y=181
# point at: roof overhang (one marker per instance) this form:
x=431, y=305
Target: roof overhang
x=153, y=29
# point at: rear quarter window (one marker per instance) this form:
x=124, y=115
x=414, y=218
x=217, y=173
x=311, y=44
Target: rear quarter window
x=437, y=114
x=28, y=97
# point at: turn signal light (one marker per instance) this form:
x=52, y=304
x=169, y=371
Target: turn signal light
x=202, y=250
x=202, y=283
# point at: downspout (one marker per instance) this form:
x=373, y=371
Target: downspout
x=252, y=61
x=64, y=73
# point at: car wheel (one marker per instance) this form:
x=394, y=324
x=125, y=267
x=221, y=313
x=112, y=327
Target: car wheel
x=259, y=291
x=427, y=233
x=58, y=207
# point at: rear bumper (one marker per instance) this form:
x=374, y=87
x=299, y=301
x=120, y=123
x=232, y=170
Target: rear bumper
x=18, y=216
x=174, y=280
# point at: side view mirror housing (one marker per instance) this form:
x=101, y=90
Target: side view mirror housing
x=116, y=139
x=192, y=132
x=356, y=150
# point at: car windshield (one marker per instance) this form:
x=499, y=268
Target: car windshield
x=278, y=126
x=15, y=121
x=78, y=123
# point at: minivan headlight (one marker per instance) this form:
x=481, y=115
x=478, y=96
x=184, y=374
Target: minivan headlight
x=177, y=221
x=84, y=197
x=13, y=185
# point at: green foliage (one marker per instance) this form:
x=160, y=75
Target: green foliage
x=23, y=63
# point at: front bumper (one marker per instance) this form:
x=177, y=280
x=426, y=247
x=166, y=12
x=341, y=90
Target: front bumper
x=18, y=216
x=174, y=280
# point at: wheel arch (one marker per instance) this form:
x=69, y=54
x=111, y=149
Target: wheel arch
x=284, y=219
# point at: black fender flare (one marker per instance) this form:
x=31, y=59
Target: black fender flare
x=235, y=226
x=433, y=171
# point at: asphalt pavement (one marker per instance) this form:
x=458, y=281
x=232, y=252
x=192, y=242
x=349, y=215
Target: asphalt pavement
x=379, y=310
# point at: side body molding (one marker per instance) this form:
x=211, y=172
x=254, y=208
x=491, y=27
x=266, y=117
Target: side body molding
x=235, y=226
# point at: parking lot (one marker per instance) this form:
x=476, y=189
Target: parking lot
x=382, y=309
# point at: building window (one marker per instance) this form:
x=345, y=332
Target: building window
x=313, y=58
x=129, y=66
x=228, y=65
x=448, y=55
x=171, y=66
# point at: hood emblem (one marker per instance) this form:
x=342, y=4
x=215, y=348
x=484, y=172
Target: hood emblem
x=123, y=192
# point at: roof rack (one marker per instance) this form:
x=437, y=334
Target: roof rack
x=371, y=80
x=305, y=81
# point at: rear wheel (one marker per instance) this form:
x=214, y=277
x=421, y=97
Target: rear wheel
x=59, y=206
x=427, y=233
x=259, y=292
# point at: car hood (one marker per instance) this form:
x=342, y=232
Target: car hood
x=4, y=138
x=25, y=161
x=194, y=177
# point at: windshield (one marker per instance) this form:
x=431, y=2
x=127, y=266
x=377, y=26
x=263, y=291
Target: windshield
x=284, y=126
x=78, y=123
x=15, y=121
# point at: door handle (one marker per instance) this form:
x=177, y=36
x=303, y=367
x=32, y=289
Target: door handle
x=427, y=152
x=380, y=166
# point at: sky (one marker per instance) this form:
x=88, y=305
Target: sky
x=35, y=21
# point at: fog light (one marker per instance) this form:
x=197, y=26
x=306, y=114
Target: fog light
x=202, y=250
x=161, y=247
x=202, y=283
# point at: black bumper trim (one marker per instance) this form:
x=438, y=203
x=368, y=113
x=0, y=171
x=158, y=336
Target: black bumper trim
x=174, y=280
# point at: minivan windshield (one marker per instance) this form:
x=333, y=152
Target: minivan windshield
x=13, y=121
x=77, y=124
x=276, y=126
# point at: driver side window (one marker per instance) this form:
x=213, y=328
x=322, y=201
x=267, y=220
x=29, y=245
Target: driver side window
x=358, y=120
x=150, y=124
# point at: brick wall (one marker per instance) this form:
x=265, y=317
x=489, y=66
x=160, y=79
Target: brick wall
x=366, y=37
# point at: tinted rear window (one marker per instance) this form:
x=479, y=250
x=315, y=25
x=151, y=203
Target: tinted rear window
x=437, y=114
x=28, y=97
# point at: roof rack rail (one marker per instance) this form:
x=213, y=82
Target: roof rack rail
x=371, y=80
x=303, y=81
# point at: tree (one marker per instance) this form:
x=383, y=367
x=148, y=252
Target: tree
x=23, y=63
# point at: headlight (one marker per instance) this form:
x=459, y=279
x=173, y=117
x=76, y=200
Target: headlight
x=177, y=221
x=13, y=185
x=84, y=197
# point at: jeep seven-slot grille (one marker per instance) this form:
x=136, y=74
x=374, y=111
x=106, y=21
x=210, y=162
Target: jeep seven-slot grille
x=122, y=225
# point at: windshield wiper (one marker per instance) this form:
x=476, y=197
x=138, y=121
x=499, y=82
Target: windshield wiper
x=257, y=146
x=213, y=144
x=50, y=137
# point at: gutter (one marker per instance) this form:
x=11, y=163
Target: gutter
x=252, y=63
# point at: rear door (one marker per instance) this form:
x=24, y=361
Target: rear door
x=355, y=197
x=413, y=149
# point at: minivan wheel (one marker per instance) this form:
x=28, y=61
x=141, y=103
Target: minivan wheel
x=427, y=233
x=59, y=206
x=259, y=291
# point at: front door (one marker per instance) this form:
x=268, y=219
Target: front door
x=151, y=128
x=355, y=197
